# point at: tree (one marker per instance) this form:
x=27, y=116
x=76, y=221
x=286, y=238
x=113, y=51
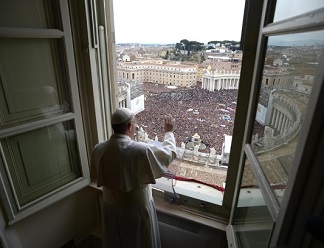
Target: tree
x=185, y=44
x=178, y=46
x=190, y=46
x=195, y=46
x=166, y=56
x=224, y=42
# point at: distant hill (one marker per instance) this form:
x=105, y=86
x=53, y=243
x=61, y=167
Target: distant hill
x=309, y=42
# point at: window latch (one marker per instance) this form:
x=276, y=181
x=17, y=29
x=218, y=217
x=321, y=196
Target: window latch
x=172, y=197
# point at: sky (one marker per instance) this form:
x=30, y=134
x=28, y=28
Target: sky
x=284, y=8
x=169, y=21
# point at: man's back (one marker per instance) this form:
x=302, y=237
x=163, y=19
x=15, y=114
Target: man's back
x=125, y=170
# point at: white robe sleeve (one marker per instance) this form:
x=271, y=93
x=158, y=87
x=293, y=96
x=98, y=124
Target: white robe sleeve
x=161, y=156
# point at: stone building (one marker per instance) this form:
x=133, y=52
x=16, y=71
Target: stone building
x=168, y=74
x=217, y=80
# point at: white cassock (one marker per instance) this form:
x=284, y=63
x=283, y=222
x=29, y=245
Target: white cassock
x=125, y=170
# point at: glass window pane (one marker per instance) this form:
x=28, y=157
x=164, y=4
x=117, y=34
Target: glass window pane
x=197, y=84
x=284, y=8
x=252, y=219
x=203, y=131
x=288, y=76
x=41, y=161
x=27, y=14
x=31, y=80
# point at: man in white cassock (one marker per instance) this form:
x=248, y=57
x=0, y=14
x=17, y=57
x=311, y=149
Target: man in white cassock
x=125, y=170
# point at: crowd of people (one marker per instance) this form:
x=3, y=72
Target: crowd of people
x=210, y=114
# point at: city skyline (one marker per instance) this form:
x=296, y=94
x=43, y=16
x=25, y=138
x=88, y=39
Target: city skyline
x=168, y=22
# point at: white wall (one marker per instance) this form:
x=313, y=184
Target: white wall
x=137, y=104
x=261, y=114
x=74, y=217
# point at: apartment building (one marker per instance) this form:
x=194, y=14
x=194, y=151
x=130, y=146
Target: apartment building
x=160, y=73
x=223, y=63
x=277, y=78
x=201, y=69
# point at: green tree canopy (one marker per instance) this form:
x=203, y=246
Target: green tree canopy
x=224, y=42
x=230, y=44
x=185, y=44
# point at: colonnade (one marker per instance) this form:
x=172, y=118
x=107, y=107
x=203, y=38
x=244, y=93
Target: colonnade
x=122, y=103
x=212, y=83
x=280, y=121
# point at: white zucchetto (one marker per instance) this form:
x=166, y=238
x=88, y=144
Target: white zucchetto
x=120, y=116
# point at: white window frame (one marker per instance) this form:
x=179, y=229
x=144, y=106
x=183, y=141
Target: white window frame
x=300, y=188
x=206, y=207
x=15, y=214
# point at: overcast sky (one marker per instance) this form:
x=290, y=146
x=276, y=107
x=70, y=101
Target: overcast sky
x=169, y=21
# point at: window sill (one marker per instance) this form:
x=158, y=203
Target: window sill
x=189, y=213
x=185, y=212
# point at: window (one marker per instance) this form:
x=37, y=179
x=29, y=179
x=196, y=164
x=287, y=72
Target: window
x=274, y=140
x=42, y=145
x=56, y=121
x=212, y=198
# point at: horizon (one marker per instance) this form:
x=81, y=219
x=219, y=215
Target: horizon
x=284, y=40
x=162, y=43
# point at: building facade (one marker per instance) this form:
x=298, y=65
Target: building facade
x=218, y=80
x=168, y=74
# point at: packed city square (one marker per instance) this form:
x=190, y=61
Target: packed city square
x=208, y=113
